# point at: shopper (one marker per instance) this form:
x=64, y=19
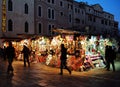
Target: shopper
x=4, y=53
x=10, y=53
x=26, y=53
x=106, y=55
x=63, y=59
x=112, y=57
x=1, y=52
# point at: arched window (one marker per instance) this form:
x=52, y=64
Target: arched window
x=39, y=11
x=26, y=27
x=26, y=9
x=39, y=27
x=51, y=14
x=10, y=5
x=10, y=25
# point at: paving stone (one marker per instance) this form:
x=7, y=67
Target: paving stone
x=39, y=75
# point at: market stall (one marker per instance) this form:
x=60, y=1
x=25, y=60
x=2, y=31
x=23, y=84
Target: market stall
x=84, y=51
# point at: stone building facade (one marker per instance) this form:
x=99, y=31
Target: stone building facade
x=19, y=18
x=39, y=17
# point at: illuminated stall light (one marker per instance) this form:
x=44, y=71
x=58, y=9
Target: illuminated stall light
x=69, y=37
x=42, y=42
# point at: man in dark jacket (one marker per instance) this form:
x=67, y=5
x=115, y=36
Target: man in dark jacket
x=111, y=58
x=26, y=53
x=106, y=55
x=10, y=53
x=63, y=59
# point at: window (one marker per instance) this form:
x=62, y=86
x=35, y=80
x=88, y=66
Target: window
x=70, y=7
x=70, y=18
x=89, y=10
x=109, y=23
x=75, y=10
x=61, y=13
x=39, y=11
x=94, y=19
x=78, y=10
x=82, y=21
x=82, y=12
x=48, y=1
x=61, y=3
x=10, y=25
x=102, y=21
x=51, y=14
x=10, y=5
x=53, y=1
x=26, y=9
x=105, y=22
x=39, y=27
x=89, y=18
x=77, y=20
x=26, y=27
x=52, y=31
x=50, y=28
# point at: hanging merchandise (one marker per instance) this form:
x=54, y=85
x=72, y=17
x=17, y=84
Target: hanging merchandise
x=84, y=53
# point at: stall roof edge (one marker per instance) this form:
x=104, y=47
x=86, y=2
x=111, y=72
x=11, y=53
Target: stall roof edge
x=10, y=39
x=65, y=31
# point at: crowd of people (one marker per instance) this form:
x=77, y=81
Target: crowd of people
x=9, y=54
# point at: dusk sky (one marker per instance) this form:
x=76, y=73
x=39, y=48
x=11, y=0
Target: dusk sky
x=111, y=6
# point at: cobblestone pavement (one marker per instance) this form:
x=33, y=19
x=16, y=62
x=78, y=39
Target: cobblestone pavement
x=40, y=75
